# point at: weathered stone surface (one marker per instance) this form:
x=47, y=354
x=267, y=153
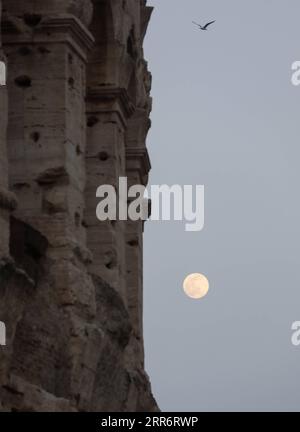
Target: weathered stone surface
x=7, y=200
x=19, y=395
x=71, y=287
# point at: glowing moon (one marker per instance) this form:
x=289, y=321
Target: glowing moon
x=196, y=286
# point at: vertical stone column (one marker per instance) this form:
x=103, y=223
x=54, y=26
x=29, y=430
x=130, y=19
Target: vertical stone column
x=47, y=54
x=137, y=169
x=7, y=201
x=108, y=109
x=74, y=343
x=118, y=121
x=46, y=44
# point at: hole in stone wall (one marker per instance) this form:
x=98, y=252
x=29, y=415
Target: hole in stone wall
x=103, y=156
x=24, y=51
x=70, y=58
x=71, y=82
x=130, y=47
x=133, y=242
x=32, y=20
x=110, y=265
x=110, y=260
x=78, y=150
x=27, y=247
x=91, y=121
x=35, y=136
x=84, y=224
x=23, y=81
x=43, y=50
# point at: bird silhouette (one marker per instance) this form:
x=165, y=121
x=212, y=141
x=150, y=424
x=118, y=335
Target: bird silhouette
x=203, y=27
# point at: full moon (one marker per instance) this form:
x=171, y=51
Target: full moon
x=196, y=286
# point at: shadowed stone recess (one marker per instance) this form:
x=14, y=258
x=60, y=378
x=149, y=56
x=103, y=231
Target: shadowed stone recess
x=74, y=115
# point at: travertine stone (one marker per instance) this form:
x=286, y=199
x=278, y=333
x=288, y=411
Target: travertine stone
x=46, y=139
x=71, y=289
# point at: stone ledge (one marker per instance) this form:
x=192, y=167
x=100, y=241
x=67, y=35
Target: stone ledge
x=8, y=200
x=137, y=159
x=64, y=28
x=19, y=395
x=71, y=25
x=109, y=94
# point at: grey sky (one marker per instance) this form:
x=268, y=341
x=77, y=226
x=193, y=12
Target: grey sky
x=225, y=115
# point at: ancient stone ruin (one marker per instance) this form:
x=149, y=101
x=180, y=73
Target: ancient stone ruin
x=74, y=115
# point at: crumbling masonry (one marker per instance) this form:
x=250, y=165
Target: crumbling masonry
x=74, y=115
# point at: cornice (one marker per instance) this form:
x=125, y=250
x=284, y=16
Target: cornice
x=70, y=25
x=112, y=94
x=105, y=99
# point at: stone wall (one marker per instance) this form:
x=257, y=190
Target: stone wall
x=71, y=287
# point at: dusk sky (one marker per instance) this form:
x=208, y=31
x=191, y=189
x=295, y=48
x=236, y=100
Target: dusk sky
x=226, y=116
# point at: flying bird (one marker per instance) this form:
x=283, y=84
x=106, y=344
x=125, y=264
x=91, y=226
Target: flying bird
x=203, y=27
